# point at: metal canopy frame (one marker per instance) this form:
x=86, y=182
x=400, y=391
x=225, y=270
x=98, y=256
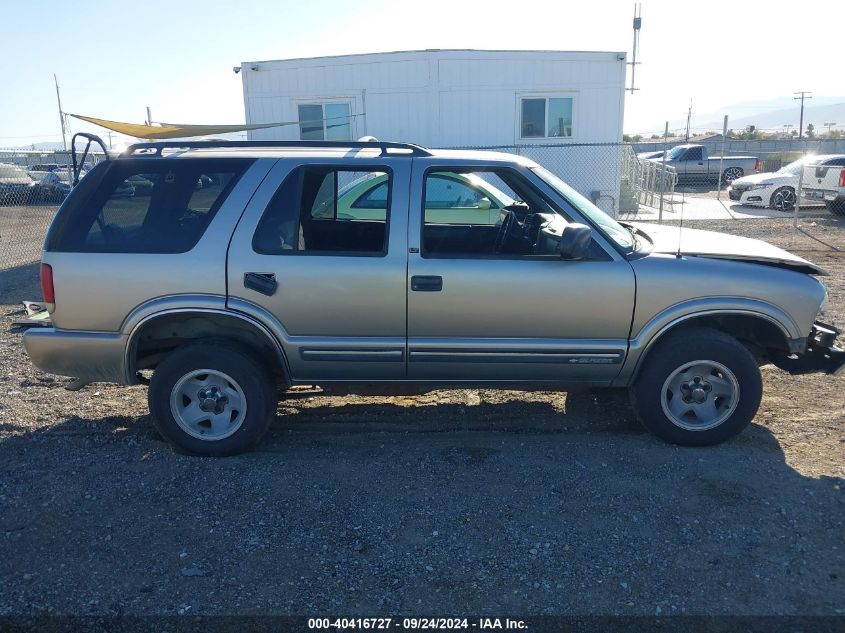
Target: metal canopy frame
x=78, y=163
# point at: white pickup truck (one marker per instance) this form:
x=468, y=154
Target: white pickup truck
x=826, y=183
x=692, y=163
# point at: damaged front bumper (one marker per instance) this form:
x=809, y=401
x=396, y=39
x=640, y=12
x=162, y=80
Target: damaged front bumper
x=822, y=353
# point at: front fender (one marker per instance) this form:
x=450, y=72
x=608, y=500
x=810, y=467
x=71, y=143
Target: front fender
x=675, y=315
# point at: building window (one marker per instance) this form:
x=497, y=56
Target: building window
x=324, y=122
x=546, y=117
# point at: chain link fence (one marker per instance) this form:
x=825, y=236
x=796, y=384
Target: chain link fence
x=627, y=180
x=612, y=175
x=33, y=184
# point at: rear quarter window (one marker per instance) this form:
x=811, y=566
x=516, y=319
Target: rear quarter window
x=146, y=206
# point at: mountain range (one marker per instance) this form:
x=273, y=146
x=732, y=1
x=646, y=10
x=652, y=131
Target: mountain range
x=770, y=115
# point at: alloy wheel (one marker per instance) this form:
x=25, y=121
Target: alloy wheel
x=700, y=395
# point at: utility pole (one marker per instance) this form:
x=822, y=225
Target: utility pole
x=149, y=117
x=61, y=112
x=829, y=127
x=689, y=116
x=787, y=126
x=638, y=21
x=803, y=94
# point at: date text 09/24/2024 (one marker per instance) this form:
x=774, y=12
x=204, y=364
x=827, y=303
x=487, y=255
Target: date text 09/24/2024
x=429, y=623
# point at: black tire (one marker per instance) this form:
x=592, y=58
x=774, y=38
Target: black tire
x=779, y=200
x=681, y=348
x=234, y=361
x=836, y=206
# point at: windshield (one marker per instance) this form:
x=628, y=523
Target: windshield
x=794, y=167
x=611, y=227
x=675, y=152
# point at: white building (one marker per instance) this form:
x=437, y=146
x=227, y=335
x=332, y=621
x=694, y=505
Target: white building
x=454, y=98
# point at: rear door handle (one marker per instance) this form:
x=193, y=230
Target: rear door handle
x=265, y=283
x=426, y=283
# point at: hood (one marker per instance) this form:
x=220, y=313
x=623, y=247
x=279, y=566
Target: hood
x=714, y=245
x=762, y=179
x=14, y=180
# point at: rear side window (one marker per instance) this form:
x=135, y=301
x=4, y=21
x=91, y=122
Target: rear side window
x=148, y=206
x=320, y=209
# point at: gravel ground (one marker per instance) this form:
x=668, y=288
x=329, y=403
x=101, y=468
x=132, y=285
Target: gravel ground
x=454, y=502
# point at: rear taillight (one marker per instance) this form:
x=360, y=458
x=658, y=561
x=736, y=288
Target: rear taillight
x=842, y=178
x=47, y=290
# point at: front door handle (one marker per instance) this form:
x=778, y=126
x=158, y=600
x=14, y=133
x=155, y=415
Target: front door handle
x=265, y=283
x=426, y=283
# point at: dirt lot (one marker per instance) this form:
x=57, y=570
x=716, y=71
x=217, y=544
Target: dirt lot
x=450, y=503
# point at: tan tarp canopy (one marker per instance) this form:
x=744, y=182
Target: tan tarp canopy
x=172, y=130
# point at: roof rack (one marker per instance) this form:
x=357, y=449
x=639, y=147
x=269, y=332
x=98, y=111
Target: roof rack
x=155, y=149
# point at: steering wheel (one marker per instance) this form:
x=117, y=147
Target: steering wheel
x=507, y=225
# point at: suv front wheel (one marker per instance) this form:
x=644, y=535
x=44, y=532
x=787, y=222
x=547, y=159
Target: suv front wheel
x=211, y=399
x=697, y=387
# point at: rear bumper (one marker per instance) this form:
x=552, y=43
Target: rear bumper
x=92, y=356
x=822, y=353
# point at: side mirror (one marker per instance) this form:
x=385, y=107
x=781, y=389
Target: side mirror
x=484, y=204
x=575, y=241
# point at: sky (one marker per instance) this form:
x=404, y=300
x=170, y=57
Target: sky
x=114, y=58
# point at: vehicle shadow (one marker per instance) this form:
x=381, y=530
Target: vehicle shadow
x=552, y=506
x=599, y=411
x=19, y=283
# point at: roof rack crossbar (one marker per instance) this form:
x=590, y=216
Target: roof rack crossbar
x=155, y=148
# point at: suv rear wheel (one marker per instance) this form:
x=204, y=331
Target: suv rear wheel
x=211, y=399
x=698, y=387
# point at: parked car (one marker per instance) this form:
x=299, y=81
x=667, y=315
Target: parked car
x=40, y=170
x=55, y=186
x=450, y=197
x=826, y=182
x=776, y=190
x=231, y=292
x=693, y=164
x=141, y=185
x=125, y=189
x=16, y=185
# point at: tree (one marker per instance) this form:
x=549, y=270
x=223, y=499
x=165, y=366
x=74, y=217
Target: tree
x=628, y=138
x=750, y=133
x=811, y=130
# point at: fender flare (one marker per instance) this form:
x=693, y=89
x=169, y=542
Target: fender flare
x=678, y=314
x=198, y=304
